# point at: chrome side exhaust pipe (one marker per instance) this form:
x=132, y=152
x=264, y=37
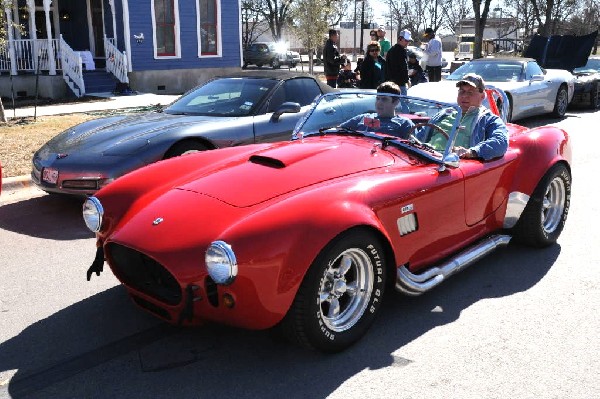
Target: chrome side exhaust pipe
x=416, y=284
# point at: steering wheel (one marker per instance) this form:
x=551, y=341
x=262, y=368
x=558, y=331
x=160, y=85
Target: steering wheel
x=431, y=125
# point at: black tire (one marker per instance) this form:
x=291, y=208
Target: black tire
x=259, y=65
x=561, y=103
x=595, y=96
x=275, y=63
x=510, y=110
x=546, y=212
x=340, y=295
x=185, y=147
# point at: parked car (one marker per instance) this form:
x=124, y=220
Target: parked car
x=273, y=54
x=227, y=111
x=307, y=235
x=531, y=90
x=587, y=85
x=550, y=52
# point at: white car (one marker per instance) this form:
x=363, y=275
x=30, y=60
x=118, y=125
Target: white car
x=531, y=90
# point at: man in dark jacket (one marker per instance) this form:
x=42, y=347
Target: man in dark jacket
x=396, y=64
x=332, y=58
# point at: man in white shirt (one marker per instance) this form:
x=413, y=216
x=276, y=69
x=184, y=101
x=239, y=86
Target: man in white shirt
x=433, y=50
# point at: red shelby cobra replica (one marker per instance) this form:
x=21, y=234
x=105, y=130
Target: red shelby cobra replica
x=308, y=235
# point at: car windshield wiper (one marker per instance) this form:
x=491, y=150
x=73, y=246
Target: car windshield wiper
x=342, y=130
x=412, y=142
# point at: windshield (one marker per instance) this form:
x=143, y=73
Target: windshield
x=592, y=66
x=423, y=126
x=492, y=71
x=224, y=97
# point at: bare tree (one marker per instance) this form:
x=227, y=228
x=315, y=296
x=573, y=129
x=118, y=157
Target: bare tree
x=252, y=22
x=481, y=15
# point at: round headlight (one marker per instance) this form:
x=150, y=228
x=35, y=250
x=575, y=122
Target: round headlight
x=221, y=263
x=92, y=214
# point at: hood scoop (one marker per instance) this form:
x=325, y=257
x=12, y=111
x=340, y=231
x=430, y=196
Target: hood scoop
x=267, y=161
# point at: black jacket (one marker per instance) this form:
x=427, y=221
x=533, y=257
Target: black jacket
x=369, y=78
x=331, y=58
x=397, y=68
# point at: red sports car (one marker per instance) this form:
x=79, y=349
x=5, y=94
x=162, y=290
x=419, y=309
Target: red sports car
x=308, y=235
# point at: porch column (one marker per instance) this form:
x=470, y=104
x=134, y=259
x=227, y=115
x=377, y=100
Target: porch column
x=114, y=21
x=126, y=33
x=11, y=39
x=51, y=61
x=33, y=32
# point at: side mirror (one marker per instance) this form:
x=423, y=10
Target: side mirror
x=286, y=108
x=537, y=78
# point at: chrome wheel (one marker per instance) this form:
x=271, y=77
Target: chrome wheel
x=346, y=289
x=562, y=102
x=553, y=205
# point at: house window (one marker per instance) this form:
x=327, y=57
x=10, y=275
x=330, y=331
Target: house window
x=165, y=27
x=208, y=14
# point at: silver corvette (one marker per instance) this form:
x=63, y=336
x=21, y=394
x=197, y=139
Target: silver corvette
x=531, y=90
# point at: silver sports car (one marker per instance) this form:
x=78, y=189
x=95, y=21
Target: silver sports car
x=226, y=111
x=531, y=90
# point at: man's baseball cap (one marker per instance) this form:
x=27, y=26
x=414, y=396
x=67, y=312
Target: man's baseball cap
x=429, y=31
x=381, y=28
x=404, y=34
x=472, y=79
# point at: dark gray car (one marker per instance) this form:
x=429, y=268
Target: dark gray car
x=226, y=111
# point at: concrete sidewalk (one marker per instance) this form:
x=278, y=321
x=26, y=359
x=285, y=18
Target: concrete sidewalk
x=107, y=101
x=11, y=186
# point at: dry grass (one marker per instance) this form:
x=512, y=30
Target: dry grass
x=21, y=137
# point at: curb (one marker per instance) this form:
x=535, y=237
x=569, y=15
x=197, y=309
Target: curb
x=16, y=183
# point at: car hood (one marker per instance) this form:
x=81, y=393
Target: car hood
x=285, y=167
x=561, y=51
x=104, y=134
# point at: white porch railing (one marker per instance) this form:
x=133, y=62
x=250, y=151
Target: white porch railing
x=116, y=61
x=71, y=68
x=27, y=54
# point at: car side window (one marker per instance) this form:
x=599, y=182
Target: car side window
x=299, y=90
x=533, y=69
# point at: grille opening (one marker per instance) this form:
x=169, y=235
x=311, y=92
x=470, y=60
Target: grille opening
x=144, y=274
x=152, y=308
x=212, y=293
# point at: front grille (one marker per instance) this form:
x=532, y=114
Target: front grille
x=144, y=274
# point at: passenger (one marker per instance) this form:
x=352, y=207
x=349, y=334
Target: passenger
x=484, y=134
x=385, y=119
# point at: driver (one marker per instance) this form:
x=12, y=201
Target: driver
x=385, y=119
x=482, y=135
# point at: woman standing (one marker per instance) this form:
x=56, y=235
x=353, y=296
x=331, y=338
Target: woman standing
x=372, y=70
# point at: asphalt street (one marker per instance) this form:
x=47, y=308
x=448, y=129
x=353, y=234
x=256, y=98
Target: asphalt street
x=521, y=323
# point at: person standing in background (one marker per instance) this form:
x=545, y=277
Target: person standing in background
x=433, y=51
x=332, y=58
x=383, y=42
x=396, y=62
x=372, y=69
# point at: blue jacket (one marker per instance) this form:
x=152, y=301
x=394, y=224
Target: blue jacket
x=489, y=138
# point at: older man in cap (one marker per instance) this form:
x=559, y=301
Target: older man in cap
x=482, y=134
x=433, y=51
x=396, y=62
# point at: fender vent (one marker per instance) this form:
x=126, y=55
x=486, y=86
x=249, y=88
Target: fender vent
x=407, y=224
x=267, y=161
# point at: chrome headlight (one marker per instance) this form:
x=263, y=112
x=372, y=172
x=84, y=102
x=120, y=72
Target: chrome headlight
x=93, y=213
x=221, y=263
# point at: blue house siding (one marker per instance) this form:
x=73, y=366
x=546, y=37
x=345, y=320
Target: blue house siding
x=142, y=54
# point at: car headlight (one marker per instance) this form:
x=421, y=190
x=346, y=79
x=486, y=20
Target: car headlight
x=93, y=213
x=221, y=263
